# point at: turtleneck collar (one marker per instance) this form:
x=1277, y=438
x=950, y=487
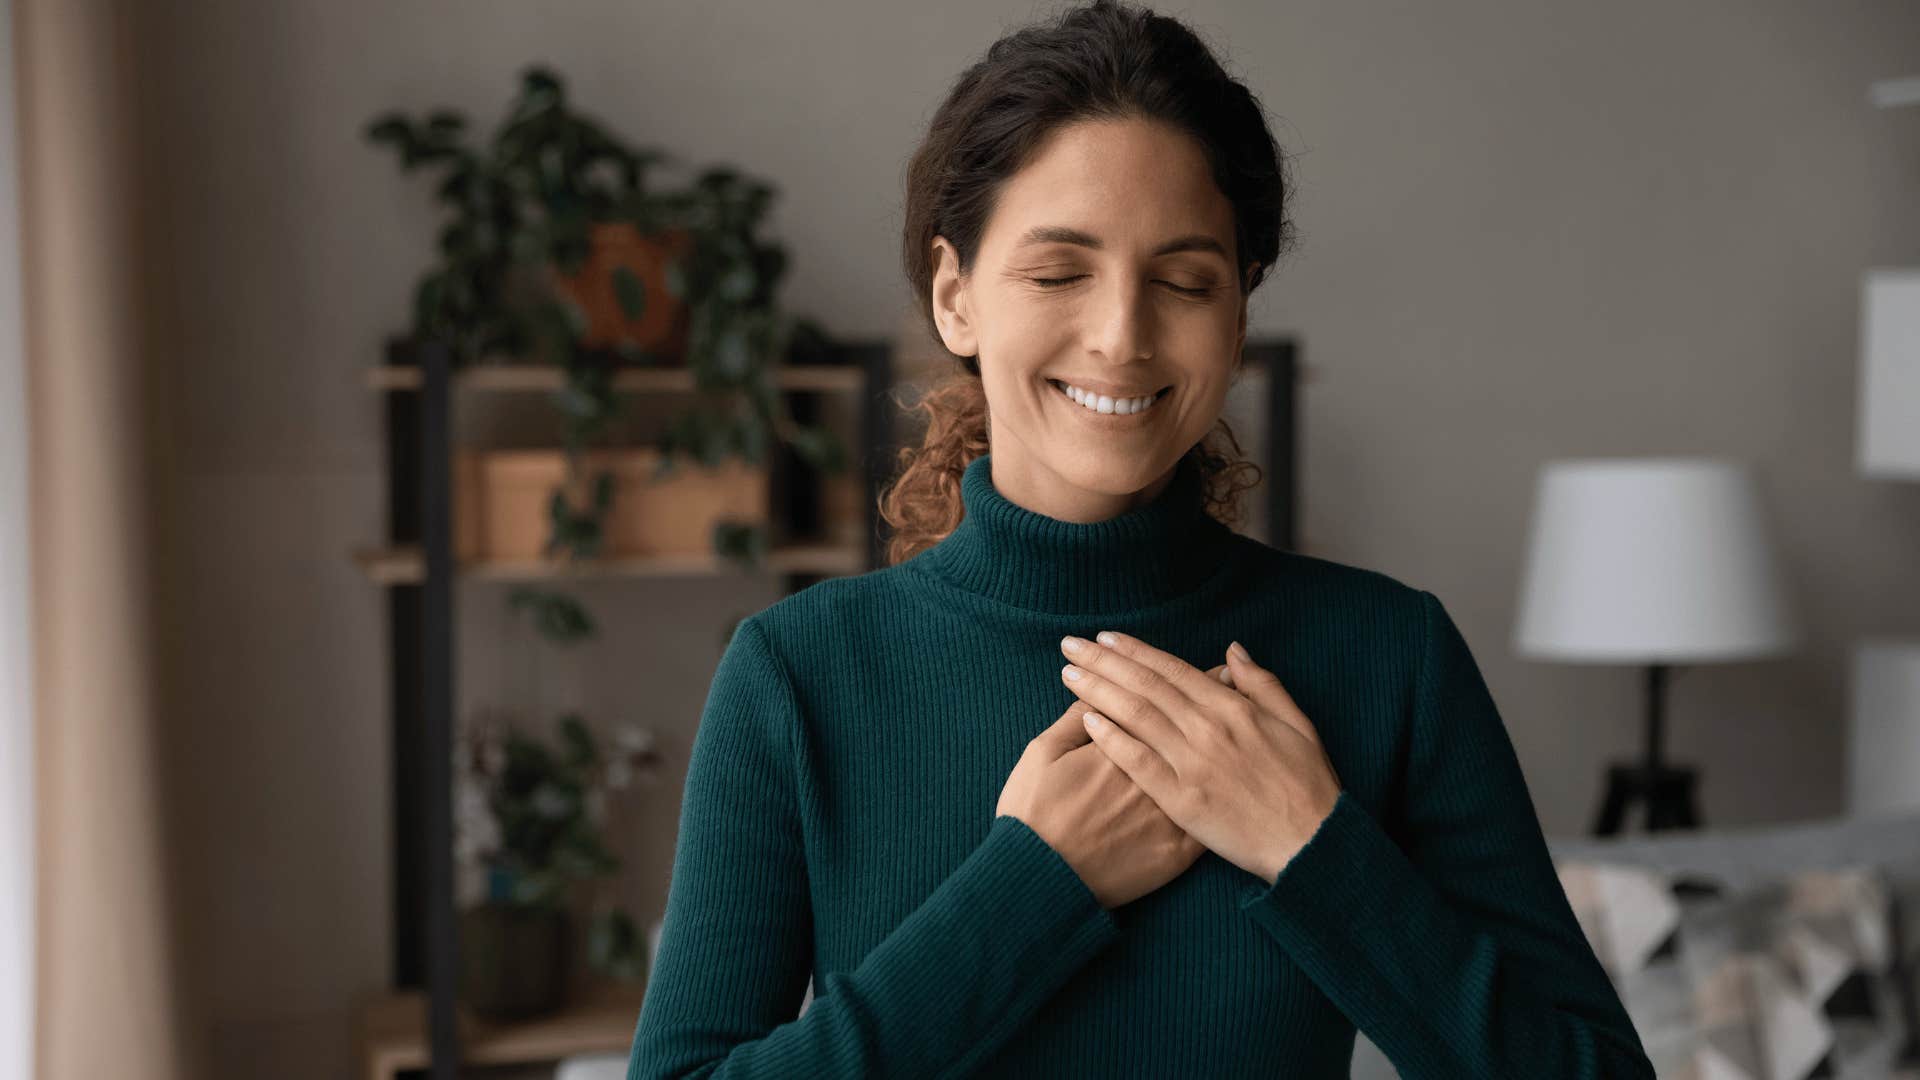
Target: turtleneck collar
x=1151, y=553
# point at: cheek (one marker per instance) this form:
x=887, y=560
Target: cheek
x=1018, y=340
x=1016, y=324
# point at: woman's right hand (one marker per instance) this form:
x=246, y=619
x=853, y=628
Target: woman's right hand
x=1089, y=810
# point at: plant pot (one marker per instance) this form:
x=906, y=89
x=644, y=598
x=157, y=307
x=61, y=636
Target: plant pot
x=513, y=960
x=662, y=326
x=501, y=497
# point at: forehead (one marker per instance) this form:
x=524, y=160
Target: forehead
x=1132, y=183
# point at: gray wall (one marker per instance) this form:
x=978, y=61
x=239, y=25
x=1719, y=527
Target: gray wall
x=1529, y=230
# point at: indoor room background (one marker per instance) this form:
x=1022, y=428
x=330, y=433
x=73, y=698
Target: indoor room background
x=1528, y=232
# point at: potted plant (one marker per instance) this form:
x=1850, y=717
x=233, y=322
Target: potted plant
x=554, y=218
x=527, y=824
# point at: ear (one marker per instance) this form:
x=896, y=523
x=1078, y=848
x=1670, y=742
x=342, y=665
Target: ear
x=952, y=309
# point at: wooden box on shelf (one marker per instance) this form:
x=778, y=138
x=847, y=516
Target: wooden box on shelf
x=842, y=495
x=501, y=501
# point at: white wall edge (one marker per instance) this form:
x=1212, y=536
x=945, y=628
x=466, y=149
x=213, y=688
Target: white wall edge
x=16, y=612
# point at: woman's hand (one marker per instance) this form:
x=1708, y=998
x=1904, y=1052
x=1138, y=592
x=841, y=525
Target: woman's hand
x=1090, y=811
x=1239, y=767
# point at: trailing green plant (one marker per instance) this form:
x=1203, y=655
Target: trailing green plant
x=555, y=615
x=529, y=816
x=524, y=205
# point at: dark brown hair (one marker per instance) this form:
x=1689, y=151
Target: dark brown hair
x=1104, y=60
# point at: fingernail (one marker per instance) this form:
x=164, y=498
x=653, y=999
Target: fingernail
x=1072, y=673
x=1226, y=676
x=1093, y=719
x=1072, y=644
x=1240, y=651
x=1105, y=637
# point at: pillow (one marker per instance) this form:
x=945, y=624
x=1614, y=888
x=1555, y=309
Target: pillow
x=1789, y=979
x=1793, y=978
x=1903, y=882
x=1631, y=918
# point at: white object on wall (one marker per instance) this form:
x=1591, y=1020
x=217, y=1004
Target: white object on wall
x=1888, y=432
x=1888, y=93
x=1883, y=728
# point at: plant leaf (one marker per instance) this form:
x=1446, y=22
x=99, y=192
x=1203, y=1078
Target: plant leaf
x=632, y=295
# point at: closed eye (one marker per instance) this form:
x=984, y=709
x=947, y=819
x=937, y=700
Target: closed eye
x=1054, y=283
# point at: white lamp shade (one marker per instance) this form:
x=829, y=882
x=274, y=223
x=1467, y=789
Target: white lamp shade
x=1889, y=422
x=1649, y=560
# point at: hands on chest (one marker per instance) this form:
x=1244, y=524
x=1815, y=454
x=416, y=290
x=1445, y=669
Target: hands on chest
x=1174, y=761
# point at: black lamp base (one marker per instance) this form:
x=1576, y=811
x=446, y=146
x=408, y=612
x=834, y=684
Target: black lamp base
x=1666, y=790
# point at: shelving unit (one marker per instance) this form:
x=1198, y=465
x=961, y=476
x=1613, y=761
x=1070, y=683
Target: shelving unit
x=512, y=377
x=406, y=564
x=392, y=1032
x=419, y=1024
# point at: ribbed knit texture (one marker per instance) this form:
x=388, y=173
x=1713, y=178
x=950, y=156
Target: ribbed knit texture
x=837, y=822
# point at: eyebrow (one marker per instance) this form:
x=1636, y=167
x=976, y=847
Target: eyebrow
x=1062, y=234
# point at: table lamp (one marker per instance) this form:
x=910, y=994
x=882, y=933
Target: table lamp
x=1658, y=562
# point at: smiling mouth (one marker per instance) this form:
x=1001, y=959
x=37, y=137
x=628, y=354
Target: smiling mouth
x=1087, y=401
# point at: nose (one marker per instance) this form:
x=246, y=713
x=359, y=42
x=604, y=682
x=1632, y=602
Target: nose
x=1121, y=321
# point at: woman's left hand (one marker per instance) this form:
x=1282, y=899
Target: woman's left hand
x=1239, y=767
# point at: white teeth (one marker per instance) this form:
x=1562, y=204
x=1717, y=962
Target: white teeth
x=1104, y=404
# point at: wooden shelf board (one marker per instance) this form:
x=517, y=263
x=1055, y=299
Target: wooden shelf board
x=526, y=377
x=403, y=565
x=601, y=1019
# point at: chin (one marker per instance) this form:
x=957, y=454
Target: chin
x=1110, y=475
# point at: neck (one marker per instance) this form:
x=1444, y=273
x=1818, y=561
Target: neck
x=1042, y=490
x=1160, y=549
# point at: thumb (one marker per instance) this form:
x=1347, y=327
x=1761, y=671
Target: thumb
x=1148, y=770
x=1069, y=732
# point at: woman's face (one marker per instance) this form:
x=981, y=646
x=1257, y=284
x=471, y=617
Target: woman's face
x=1108, y=265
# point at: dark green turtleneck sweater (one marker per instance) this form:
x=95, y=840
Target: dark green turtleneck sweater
x=838, y=823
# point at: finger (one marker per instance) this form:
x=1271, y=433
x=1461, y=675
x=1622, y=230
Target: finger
x=1148, y=770
x=1064, y=734
x=1181, y=690
x=1263, y=688
x=1133, y=711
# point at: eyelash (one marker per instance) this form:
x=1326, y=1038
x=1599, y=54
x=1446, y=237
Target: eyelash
x=1054, y=283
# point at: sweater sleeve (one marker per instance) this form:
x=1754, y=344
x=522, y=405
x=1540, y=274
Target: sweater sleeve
x=1452, y=946
x=952, y=982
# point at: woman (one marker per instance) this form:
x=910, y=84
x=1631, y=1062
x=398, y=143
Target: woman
x=991, y=862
